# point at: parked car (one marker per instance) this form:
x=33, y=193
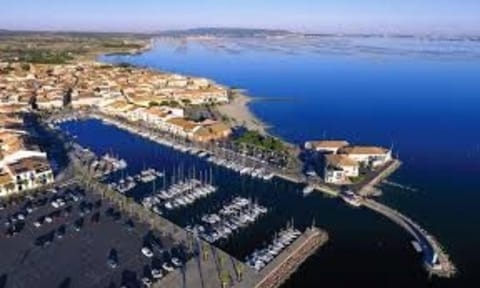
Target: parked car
x=146, y=282
x=147, y=252
x=157, y=273
x=176, y=262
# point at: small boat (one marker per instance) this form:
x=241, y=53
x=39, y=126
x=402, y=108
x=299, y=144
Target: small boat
x=351, y=198
x=308, y=190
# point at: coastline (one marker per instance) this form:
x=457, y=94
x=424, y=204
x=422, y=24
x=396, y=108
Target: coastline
x=237, y=110
x=239, y=113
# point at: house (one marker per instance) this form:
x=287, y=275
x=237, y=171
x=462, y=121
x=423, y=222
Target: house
x=30, y=173
x=211, y=132
x=159, y=116
x=7, y=185
x=180, y=127
x=22, y=165
x=339, y=168
x=370, y=156
x=326, y=146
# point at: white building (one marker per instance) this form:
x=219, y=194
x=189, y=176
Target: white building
x=21, y=168
x=326, y=146
x=30, y=173
x=370, y=156
x=339, y=168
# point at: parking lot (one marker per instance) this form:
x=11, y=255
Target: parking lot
x=70, y=238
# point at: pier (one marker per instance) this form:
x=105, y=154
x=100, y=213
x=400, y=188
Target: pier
x=280, y=269
x=435, y=259
x=368, y=188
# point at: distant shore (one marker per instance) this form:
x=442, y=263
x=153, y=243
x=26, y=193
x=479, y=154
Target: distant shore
x=240, y=114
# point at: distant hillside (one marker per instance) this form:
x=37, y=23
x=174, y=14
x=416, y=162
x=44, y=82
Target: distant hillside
x=224, y=32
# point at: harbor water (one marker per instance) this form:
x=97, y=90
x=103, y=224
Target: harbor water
x=418, y=96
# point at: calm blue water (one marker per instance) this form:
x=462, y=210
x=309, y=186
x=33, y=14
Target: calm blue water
x=422, y=98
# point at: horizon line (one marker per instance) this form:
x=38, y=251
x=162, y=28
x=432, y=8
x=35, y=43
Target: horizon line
x=289, y=31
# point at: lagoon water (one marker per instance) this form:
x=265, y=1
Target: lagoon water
x=420, y=96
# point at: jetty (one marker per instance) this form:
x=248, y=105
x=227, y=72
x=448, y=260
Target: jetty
x=368, y=188
x=284, y=265
x=435, y=259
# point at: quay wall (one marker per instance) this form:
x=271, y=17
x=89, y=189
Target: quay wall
x=368, y=188
x=285, y=264
x=436, y=260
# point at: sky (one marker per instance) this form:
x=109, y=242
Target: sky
x=339, y=16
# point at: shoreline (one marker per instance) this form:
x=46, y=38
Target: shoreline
x=237, y=110
x=239, y=113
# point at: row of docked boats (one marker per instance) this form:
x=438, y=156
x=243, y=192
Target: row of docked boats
x=254, y=172
x=180, y=194
x=260, y=258
x=148, y=175
x=65, y=118
x=128, y=183
x=106, y=165
x=237, y=214
x=185, y=148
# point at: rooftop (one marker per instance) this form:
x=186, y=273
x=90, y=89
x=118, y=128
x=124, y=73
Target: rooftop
x=363, y=150
x=328, y=143
x=338, y=160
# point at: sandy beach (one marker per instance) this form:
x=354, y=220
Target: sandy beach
x=239, y=114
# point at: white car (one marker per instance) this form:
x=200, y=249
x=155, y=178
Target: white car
x=21, y=217
x=48, y=219
x=146, y=282
x=177, y=262
x=168, y=267
x=157, y=273
x=55, y=204
x=37, y=224
x=147, y=252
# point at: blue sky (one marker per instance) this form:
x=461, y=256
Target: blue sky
x=450, y=16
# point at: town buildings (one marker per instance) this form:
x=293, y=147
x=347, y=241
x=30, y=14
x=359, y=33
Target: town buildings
x=92, y=83
x=157, y=99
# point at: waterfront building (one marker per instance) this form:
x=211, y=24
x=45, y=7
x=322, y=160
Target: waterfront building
x=22, y=165
x=368, y=156
x=211, y=132
x=326, y=146
x=30, y=173
x=7, y=185
x=339, y=168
